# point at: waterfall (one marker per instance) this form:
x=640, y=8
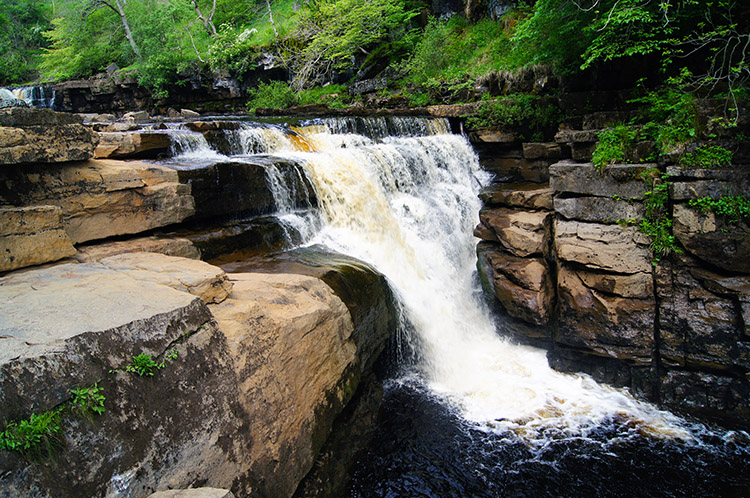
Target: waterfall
x=402, y=195
x=36, y=96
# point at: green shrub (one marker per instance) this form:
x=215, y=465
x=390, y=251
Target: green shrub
x=657, y=222
x=614, y=146
x=707, y=156
x=516, y=112
x=276, y=94
x=334, y=96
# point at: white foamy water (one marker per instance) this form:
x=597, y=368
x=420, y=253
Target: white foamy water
x=408, y=206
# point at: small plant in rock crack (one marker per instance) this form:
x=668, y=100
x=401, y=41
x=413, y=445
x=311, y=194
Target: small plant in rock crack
x=144, y=365
x=34, y=437
x=88, y=401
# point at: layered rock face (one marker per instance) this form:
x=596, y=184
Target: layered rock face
x=569, y=259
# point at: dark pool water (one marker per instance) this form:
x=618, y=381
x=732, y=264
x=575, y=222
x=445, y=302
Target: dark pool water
x=421, y=448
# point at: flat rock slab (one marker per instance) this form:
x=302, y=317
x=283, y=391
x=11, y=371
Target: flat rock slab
x=171, y=246
x=201, y=279
x=525, y=195
x=623, y=180
x=598, y=209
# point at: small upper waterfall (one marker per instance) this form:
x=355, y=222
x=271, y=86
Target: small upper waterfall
x=401, y=194
x=37, y=96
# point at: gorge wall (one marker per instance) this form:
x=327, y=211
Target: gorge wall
x=562, y=255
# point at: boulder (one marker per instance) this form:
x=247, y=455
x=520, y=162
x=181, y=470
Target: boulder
x=522, y=233
x=598, y=209
x=32, y=236
x=605, y=325
x=298, y=365
x=195, y=277
x=136, y=117
x=77, y=325
x=101, y=198
x=493, y=136
x=522, y=285
x=603, y=247
x=132, y=144
x=189, y=114
x=621, y=180
x=712, y=239
x=517, y=169
x=30, y=135
x=522, y=195
x=582, y=143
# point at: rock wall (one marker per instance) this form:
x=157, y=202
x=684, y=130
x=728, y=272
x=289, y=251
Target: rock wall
x=567, y=260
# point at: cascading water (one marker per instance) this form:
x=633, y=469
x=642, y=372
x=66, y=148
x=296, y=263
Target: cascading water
x=407, y=204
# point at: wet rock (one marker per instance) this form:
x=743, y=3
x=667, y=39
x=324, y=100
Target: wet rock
x=598, y=209
x=32, y=236
x=189, y=114
x=101, y=198
x=622, y=180
x=522, y=195
x=603, y=247
x=136, y=117
x=30, y=135
x=134, y=144
x=606, y=325
x=522, y=285
x=719, y=397
x=523, y=233
x=710, y=238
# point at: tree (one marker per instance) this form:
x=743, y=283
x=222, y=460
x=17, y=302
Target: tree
x=22, y=24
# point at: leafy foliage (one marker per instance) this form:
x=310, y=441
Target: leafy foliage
x=613, y=146
x=707, y=156
x=22, y=24
x=35, y=436
x=657, y=222
x=88, y=401
x=733, y=208
x=275, y=94
x=144, y=365
x=516, y=112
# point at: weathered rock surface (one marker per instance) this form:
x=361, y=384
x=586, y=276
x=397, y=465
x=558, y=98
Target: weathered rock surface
x=171, y=246
x=101, y=198
x=208, y=282
x=539, y=150
x=132, y=144
x=622, y=180
x=30, y=135
x=278, y=326
x=686, y=184
x=522, y=285
x=525, y=195
x=193, y=493
x=603, y=247
x=607, y=325
x=710, y=238
x=520, y=232
x=32, y=236
x=598, y=209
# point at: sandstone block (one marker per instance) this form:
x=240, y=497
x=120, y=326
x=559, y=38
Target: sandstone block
x=607, y=325
x=524, y=195
x=518, y=168
x=621, y=180
x=523, y=233
x=132, y=144
x=710, y=238
x=32, y=236
x=598, y=209
x=30, y=135
x=603, y=247
x=101, y=198
x=522, y=285
x=702, y=316
x=538, y=150
x=169, y=245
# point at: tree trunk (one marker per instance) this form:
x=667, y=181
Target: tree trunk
x=208, y=22
x=121, y=12
x=270, y=16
